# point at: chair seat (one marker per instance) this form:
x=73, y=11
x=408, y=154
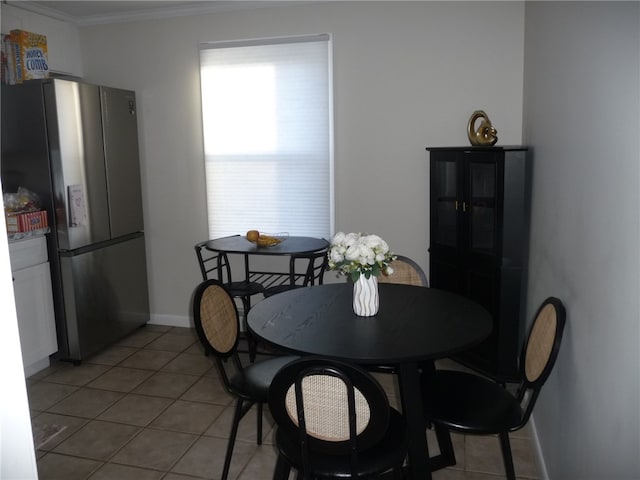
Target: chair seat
x=254, y=380
x=376, y=459
x=469, y=403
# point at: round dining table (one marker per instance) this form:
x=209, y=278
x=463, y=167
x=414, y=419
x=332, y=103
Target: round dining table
x=414, y=326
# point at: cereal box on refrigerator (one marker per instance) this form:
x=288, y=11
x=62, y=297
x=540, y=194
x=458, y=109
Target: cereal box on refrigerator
x=31, y=54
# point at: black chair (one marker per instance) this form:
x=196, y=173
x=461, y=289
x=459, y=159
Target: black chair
x=334, y=421
x=405, y=271
x=470, y=404
x=215, y=265
x=217, y=324
x=314, y=265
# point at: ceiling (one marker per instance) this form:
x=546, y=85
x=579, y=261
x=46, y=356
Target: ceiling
x=87, y=12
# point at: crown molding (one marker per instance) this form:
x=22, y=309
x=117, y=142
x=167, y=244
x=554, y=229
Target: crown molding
x=155, y=13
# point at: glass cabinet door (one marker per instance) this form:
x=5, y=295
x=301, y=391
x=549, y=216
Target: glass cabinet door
x=444, y=202
x=481, y=205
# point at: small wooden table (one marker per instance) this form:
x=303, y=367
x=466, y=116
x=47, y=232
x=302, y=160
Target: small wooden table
x=291, y=245
x=414, y=325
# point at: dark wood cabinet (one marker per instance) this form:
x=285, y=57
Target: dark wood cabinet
x=479, y=231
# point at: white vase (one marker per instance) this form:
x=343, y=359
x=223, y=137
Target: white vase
x=365, y=296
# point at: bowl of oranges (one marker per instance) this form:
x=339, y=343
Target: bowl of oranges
x=263, y=239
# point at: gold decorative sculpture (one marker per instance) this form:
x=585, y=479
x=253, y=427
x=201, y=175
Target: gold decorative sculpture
x=485, y=134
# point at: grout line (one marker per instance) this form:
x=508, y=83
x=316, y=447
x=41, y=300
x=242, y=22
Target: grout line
x=197, y=437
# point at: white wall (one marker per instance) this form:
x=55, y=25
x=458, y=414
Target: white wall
x=582, y=115
x=407, y=76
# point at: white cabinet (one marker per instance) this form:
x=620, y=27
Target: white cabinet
x=34, y=302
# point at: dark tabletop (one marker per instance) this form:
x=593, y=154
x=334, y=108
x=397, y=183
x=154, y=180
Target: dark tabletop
x=239, y=244
x=413, y=323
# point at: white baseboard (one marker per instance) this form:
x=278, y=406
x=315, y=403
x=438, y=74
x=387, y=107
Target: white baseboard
x=36, y=367
x=171, y=321
x=542, y=467
x=181, y=321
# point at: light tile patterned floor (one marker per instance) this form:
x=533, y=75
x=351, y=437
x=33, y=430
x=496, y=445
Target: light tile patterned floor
x=152, y=407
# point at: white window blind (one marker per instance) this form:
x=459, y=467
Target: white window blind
x=266, y=114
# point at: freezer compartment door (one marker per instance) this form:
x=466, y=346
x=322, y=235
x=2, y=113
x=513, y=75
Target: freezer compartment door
x=76, y=148
x=119, y=120
x=105, y=295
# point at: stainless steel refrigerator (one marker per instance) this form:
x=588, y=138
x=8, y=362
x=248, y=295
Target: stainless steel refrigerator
x=76, y=145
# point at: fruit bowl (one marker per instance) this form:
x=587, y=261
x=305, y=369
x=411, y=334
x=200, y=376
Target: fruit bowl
x=268, y=239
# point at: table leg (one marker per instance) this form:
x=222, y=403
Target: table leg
x=252, y=344
x=246, y=267
x=411, y=398
x=447, y=456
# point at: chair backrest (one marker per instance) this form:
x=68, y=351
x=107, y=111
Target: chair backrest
x=405, y=271
x=213, y=265
x=217, y=324
x=315, y=266
x=540, y=351
x=329, y=407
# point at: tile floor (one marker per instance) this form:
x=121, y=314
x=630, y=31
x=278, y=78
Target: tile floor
x=151, y=407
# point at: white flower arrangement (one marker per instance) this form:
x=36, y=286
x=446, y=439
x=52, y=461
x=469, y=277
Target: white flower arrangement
x=355, y=254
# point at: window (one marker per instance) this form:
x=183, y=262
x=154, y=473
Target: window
x=266, y=114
